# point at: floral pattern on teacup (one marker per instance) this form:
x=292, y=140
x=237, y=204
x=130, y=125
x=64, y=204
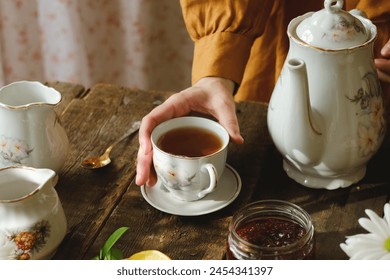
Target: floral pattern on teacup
x=372, y=125
x=171, y=178
x=13, y=150
x=21, y=245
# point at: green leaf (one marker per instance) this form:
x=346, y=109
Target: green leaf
x=107, y=256
x=113, y=239
x=116, y=254
x=108, y=252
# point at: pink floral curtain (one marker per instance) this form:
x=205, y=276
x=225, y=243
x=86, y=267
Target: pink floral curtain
x=134, y=43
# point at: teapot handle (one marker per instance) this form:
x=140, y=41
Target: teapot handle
x=335, y=8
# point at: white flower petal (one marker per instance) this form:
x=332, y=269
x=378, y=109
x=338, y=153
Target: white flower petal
x=370, y=226
x=344, y=246
x=364, y=246
x=365, y=237
x=381, y=224
x=386, y=216
x=360, y=243
x=355, y=246
x=350, y=250
x=385, y=257
x=371, y=245
x=370, y=254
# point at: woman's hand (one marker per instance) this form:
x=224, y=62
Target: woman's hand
x=383, y=64
x=211, y=95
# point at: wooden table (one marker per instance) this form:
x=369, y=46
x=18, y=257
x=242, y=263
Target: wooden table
x=97, y=202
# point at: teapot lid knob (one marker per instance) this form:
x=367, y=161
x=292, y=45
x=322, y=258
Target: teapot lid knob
x=335, y=8
x=332, y=28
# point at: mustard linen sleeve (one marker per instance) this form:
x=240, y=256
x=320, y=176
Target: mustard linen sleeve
x=223, y=32
x=378, y=11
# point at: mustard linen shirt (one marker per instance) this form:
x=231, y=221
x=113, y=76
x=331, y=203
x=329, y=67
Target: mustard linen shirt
x=246, y=40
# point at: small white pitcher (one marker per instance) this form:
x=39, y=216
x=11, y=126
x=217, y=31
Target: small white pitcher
x=32, y=221
x=30, y=131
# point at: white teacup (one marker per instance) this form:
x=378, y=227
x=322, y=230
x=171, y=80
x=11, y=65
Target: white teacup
x=189, y=174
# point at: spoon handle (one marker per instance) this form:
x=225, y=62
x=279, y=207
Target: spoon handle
x=133, y=129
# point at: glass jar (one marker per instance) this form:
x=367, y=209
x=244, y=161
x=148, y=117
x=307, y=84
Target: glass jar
x=271, y=230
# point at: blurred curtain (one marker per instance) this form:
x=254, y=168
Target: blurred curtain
x=134, y=43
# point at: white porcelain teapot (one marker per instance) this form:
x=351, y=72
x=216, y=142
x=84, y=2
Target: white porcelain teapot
x=326, y=113
x=32, y=220
x=30, y=131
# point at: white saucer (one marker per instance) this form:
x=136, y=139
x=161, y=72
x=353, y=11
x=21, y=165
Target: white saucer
x=229, y=186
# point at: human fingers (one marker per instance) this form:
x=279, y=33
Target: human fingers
x=219, y=102
x=172, y=107
x=226, y=114
x=144, y=155
x=383, y=69
x=385, y=51
x=144, y=168
x=211, y=96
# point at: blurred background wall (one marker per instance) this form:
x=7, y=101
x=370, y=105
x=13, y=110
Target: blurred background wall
x=134, y=43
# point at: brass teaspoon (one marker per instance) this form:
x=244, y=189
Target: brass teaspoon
x=95, y=162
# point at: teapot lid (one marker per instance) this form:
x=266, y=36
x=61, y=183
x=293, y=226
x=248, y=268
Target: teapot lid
x=332, y=28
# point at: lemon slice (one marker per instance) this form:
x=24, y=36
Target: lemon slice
x=149, y=255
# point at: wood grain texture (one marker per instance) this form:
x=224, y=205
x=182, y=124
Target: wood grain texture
x=97, y=202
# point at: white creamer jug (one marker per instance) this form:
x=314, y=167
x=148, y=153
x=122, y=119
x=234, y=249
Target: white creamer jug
x=32, y=220
x=30, y=131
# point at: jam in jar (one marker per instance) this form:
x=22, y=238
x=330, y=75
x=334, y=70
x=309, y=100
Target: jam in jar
x=271, y=230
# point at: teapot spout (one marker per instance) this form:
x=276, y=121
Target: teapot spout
x=305, y=139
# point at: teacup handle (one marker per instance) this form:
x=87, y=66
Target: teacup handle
x=208, y=167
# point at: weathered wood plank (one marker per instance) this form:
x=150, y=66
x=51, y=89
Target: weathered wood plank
x=68, y=91
x=89, y=196
x=177, y=236
x=98, y=202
